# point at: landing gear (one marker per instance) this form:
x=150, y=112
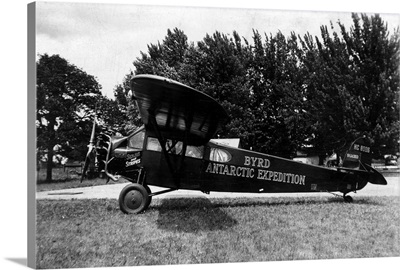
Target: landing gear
x=134, y=199
x=347, y=198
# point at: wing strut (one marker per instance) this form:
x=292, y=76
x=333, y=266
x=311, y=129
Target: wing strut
x=188, y=124
x=176, y=167
x=153, y=123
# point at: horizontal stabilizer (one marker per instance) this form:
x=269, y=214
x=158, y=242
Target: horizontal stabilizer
x=376, y=177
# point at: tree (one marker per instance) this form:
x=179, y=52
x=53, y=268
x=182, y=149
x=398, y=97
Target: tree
x=66, y=97
x=325, y=65
x=286, y=92
x=218, y=66
x=352, y=85
x=123, y=98
x=276, y=77
x=375, y=56
x=164, y=59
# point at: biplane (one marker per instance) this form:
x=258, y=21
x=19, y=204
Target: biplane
x=174, y=150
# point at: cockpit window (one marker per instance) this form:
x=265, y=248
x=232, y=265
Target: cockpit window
x=153, y=144
x=175, y=148
x=136, y=141
x=220, y=155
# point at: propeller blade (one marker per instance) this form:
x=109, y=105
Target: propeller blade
x=88, y=160
x=91, y=150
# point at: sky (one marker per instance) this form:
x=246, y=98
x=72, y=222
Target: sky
x=104, y=39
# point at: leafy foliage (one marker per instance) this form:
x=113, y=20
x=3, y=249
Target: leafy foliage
x=66, y=97
x=122, y=93
x=277, y=84
x=284, y=93
x=352, y=84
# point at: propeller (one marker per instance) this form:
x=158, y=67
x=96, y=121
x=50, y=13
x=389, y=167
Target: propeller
x=91, y=151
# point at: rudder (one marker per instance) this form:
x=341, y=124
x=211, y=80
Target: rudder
x=359, y=153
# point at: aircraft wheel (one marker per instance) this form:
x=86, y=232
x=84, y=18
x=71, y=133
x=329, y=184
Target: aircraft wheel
x=133, y=199
x=348, y=199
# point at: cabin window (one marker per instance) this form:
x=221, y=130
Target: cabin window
x=175, y=147
x=220, y=155
x=153, y=144
x=194, y=151
x=136, y=141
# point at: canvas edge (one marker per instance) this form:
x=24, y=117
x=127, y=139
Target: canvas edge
x=31, y=134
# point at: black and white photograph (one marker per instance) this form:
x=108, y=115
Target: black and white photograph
x=183, y=135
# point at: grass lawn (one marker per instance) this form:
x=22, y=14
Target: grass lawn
x=95, y=233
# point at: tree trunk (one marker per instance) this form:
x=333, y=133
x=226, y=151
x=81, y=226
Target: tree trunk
x=321, y=159
x=37, y=166
x=50, y=154
x=50, y=149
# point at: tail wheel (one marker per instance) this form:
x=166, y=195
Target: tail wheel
x=134, y=199
x=348, y=198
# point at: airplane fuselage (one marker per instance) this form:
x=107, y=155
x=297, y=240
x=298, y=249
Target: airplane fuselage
x=215, y=167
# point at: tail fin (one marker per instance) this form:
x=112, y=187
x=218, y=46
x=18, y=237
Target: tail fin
x=359, y=154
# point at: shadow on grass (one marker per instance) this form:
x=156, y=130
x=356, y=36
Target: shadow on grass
x=202, y=214
x=192, y=215
x=205, y=204
x=277, y=202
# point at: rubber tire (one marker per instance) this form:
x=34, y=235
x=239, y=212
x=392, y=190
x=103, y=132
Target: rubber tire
x=133, y=199
x=348, y=199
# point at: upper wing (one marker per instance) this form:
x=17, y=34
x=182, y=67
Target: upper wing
x=177, y=110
